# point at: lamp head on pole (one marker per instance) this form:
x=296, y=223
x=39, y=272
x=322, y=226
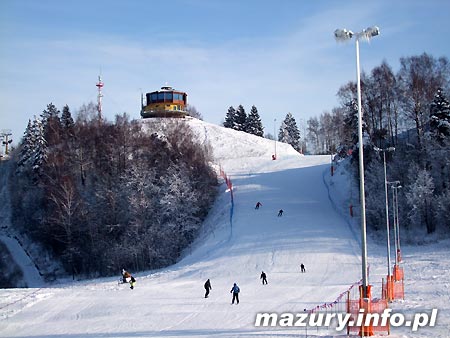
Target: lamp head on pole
x=342, y=35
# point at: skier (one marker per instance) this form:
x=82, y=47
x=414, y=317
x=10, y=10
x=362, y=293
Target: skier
x=258, y=205
x=263, y=277
x=207, y=288
x=302, y=267
x=280, y=213
x=235, y=291
x=125, y=276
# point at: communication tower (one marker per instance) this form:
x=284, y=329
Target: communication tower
x=99, y=96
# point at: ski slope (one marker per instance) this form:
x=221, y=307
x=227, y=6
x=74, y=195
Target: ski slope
x=170, y=303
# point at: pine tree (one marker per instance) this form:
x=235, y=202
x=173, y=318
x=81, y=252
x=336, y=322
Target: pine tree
x=39, y=145
x=67, y=121
x=289, y=132
x=229, y=119
x=50, y=112
x=51, y=124
x=440, y=117
x=253, y=124
x=240, y=119
x=26, y=150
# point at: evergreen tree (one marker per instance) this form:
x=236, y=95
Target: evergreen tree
x=229, y=119
x=351, y=124
x=240, y=119
x=289, y=132
x=49, y=113
x=67, y=121
x=51, y=124
x=39, y=145
x=253, y=124
x=440, y=117
x=26, y=149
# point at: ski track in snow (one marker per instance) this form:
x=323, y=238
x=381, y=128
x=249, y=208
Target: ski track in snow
x=314, y=229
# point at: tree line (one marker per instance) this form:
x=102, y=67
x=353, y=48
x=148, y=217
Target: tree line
x=105, y=195
x=238, y=119
x=408, y=111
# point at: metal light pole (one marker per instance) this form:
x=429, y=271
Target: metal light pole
x=394, y=185
x=390, y=149
x=366, y=34
x=396, y=222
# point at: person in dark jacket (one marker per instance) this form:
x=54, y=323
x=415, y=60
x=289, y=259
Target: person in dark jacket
x=132, y=282
x=258, y=205
x=280, y=213
x=263, y=277
x=302, y=267
x=207, y=287
x=235, y=291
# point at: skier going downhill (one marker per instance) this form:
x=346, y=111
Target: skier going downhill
x=258, y=205
x=235, y=291
x=207, y=288
x=263, y=277
x=302, y=267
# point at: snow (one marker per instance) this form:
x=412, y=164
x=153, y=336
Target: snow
x=315, y=229
x=31, y=275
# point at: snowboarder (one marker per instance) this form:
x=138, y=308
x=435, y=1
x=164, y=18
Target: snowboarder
x=235, y=291
x=132, y=282
x=207, y=288
x=263, y=277
x=302, y=268
x=280, y=213
x=258, y=205
x=125, y=276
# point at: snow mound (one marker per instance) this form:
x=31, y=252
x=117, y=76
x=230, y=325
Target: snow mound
x=228, y=145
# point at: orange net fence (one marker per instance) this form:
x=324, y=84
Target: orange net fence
x=366, y=316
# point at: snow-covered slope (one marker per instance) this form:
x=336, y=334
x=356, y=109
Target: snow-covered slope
x=170, y=302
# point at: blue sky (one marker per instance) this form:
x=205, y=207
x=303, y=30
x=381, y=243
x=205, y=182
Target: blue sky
x=278, y=55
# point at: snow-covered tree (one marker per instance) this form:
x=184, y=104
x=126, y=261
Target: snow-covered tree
x=440, y=117
x=240, y=119
x=229, y=118
x=40, y=151
x=253, y=124
x=289, y=132
x=442, y=216
x=314, y=133
x=26, y=147
x=419, y=196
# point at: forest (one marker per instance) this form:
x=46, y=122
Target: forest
x=103, y=195
x=406, y=124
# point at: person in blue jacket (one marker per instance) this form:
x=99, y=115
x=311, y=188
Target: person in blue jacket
x=235, y=291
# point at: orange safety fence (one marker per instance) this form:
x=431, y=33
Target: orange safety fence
x=394, y=287
x=373, y=308
x=398, y=273
x=399, y=290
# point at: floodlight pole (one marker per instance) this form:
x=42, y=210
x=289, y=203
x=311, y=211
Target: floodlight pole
x=343, y=34
x=387, y=207
x=362, y=198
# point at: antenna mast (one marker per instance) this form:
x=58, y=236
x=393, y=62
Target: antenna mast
x=99, y=97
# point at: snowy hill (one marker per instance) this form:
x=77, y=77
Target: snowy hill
x=170, y=302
